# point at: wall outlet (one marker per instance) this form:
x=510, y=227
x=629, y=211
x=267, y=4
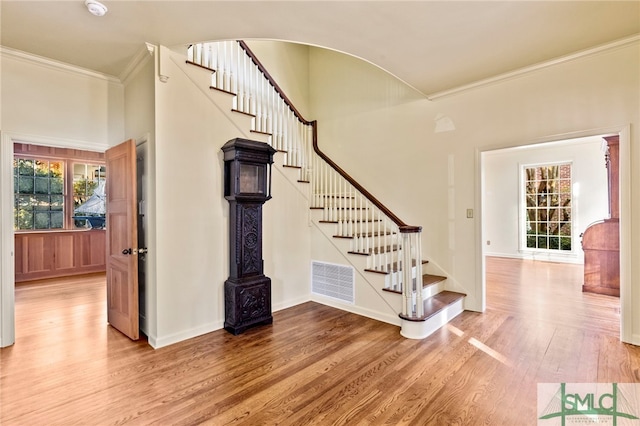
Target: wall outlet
x=469, y=213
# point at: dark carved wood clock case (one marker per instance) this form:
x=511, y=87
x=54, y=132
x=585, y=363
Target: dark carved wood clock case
x=247, y=186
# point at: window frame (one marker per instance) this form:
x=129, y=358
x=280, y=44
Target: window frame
x=68, y=157
x=524, y=208
x=35, y=193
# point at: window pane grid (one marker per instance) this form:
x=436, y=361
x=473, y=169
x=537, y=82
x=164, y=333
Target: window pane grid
x=39, y=194
x=86, y=179
x=548, y=207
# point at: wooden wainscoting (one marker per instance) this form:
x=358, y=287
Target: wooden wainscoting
x=315, y=365
x=59, y=253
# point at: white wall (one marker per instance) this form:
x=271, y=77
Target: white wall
x=52, y=104
x=192, y=216
x=385, y=136
x=288, y=64
x=502, y=194
x=48, y=99
x=139, y=114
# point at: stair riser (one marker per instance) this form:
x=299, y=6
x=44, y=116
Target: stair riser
x=432, y=290
x=423, y=329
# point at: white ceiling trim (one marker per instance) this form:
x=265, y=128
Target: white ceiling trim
x=526, y=70
x=7, y=52
x=138, y=62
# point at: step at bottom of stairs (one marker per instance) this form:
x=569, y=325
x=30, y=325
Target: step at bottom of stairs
x=439, y=309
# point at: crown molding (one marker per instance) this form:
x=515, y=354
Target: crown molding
x=142, y=57
x=7, y=52
x=532, y=68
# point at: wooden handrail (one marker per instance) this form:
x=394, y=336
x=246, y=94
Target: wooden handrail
x=275, y=85
x=404, y=228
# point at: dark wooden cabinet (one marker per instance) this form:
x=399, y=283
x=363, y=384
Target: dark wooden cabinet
x=40, y=255
x=601, y=240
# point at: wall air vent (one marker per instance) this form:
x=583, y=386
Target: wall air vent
x=334, y=281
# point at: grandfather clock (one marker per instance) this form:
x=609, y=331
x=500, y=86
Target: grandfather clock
x=247, y=186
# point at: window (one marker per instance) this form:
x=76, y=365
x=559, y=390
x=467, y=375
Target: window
x=547, y=209
x=88, y=181
x=57, y=188
x=39, y=193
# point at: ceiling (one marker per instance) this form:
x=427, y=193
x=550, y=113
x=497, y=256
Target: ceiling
x=434, y=46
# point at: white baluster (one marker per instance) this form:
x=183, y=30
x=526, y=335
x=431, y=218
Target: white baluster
x=190, y=53
x=419, y=301
x=359, y=230
x=259, y=102
x=348, y=209
x=251, y=88
x=219, y=68
x=272, y=98
x=265, y=97
x=339, y=210
x=332, y=214
x=198, y=54
x=317, y=171
x=325, y=191
x=206, y=56
x=227, y=68
x=386, y=260
x=375, y=233
x=352, y=211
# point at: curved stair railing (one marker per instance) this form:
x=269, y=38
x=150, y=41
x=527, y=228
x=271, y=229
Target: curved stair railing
x=374, y=230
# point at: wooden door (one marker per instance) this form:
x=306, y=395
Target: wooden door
x=122, y=239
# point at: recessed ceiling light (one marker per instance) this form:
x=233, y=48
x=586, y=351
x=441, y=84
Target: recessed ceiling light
x=95, y=7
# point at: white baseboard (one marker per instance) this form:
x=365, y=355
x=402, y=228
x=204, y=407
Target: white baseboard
x=289, y=303
x=161, y=342
x=635, y=340
x=379, y=316
x=544, y=257
x=170, y=339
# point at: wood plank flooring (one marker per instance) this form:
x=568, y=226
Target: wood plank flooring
x=315, y=365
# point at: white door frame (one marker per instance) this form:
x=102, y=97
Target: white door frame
x=626, y=284
x=7, y=262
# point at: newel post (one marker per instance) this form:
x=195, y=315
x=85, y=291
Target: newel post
x=412, y=305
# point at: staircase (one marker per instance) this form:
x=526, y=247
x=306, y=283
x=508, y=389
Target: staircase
x=376, y=239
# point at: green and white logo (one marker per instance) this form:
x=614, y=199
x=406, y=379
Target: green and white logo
x=616, y=404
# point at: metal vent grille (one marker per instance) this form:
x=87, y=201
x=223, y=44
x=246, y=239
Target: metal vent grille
x=335, y=281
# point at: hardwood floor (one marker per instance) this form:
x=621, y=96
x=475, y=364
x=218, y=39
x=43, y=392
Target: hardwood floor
x=315, y=365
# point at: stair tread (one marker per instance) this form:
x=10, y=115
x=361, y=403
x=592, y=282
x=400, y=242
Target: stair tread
x=436, y=303
x=376, y=250
x=374, y=234
x=260, y=132
x=223, y=91
x=347, y=208
x=366, y=235
x=439, y=301
x=344, y=221
x=201, y=66
x=428, y=279
x=393, y=267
